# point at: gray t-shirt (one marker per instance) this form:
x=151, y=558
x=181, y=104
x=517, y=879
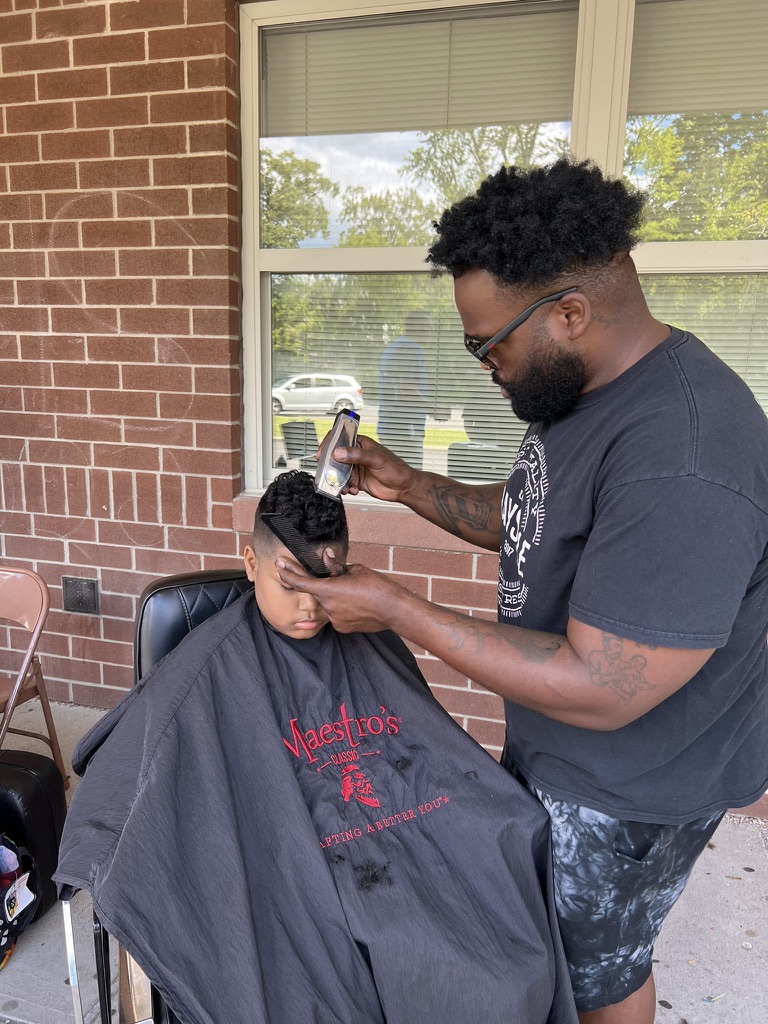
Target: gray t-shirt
x=644, y=513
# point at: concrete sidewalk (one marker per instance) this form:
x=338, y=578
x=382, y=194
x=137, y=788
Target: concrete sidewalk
x=712, y=958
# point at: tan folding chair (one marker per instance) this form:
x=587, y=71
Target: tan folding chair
x=24, y=600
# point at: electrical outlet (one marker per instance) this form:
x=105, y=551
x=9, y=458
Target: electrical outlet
x=80, y=595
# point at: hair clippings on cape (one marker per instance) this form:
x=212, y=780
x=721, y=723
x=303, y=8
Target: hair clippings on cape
x=298, y=545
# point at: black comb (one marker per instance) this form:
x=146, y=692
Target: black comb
x=299, y=546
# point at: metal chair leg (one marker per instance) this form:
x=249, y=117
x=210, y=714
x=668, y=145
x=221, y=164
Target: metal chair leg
x=103, y=979
x=69, y=941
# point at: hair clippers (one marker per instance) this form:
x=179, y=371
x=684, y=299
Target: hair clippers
x=331, y=477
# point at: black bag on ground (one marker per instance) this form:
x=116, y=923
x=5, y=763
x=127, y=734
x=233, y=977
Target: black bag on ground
x=32, y=812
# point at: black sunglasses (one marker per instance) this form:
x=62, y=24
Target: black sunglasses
x=480, y=349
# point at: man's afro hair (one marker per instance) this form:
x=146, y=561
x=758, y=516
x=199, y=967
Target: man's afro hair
x=530, y=227
x=318, y=518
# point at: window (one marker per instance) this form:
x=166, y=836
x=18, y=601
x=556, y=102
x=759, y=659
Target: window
x=359, y=129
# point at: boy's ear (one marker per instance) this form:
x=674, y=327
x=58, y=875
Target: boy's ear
x=251, y=562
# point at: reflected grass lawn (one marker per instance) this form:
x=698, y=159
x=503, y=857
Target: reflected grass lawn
x=436, y=437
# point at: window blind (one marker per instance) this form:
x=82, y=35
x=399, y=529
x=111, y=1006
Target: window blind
x=445, y=70
x=696, y=56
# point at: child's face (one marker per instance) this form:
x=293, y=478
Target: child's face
x=288, y=611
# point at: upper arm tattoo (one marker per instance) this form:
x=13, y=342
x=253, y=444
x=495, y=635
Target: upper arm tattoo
x=625, y=676
x=456, y=509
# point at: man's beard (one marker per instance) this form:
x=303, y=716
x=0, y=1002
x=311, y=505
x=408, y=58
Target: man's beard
x=548, y=386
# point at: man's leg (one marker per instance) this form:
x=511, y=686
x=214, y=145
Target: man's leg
x=639, y=1008
x=615, y=882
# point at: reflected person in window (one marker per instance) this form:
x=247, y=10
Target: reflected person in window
x=633, y=571
x=403, y=390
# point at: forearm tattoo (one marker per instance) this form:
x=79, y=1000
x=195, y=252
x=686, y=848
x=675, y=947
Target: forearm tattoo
x=533, y=646
x=625, y=676
x=456, y=509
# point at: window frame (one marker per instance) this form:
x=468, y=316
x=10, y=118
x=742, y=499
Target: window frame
x=598, y=126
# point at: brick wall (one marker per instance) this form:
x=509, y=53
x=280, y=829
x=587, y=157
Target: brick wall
x=119, y=331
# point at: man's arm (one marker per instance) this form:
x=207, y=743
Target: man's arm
x=589, y=678
x=464, y=510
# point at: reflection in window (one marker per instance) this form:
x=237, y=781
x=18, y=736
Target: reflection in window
x=390, y=346
x=697, y=131
x=369, y=129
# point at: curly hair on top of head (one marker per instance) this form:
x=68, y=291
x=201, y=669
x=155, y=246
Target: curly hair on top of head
x=531, y=226
x=318, y=518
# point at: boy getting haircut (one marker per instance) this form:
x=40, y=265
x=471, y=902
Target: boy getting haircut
x=281, y=824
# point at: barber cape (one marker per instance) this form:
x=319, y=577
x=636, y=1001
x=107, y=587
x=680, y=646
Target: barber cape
x=280, y=843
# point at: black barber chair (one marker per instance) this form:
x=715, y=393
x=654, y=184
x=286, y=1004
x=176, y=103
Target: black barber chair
x=169, y=608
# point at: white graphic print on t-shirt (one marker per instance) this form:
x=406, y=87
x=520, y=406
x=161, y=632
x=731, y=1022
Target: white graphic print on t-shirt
x=522, y=516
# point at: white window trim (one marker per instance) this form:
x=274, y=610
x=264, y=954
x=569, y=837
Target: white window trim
x=599, y=115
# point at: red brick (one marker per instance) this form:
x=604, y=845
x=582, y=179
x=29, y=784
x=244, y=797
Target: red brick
x=5, y=236
x=120, y=630
x=12, y=483
x=489, y=734
x=26, y=424
x=215, y=263
x=221, y=199
x=159, y=202
x=124, y=403
x=111, y=113
x=49, y=293
x=86, y=375
x=49, y=235
x=77, y=263
x=433, y=563
x=195, y=292
x=183, y=107
x=35, y=56
x=77, y=493
x=476, y=703
x=59, y=85
x=215, y=321
x=154, y=263
x=375, y=556
x=91, y=649
x=26, y=207
x=10, y=400
x=221, y=519
x=75, y=145
x=137, y=431
x=34, y=489
x=43, y=176
x=18, y=88
x=34, y=548
x=84, y=22
x=75, y=428
x=150, y=141
x=201, y=11
x=201, y=541
x=187, y=42
x=167, y=563
x=147, y=497
x=33, y=117
x=189, y=170
x=464, y=594
x=487, y=567
x=131, y=535
x=52, y=348
x=171, y=498
x=78, y=205
x=112, y=557
x=194, y=231
x=122, y=349
x=197, y=351
x=64, y=528
x=195, y=407
x=147, y=78
x=66, y=320
x=117, y=234
x=155, y=321
x=158, y=378
x=117, y=679
x=204, y=463
x=124, y=16
x=114, y=173
x=217, y=435
x=196, y=501
x=217, y=380
x=99, y=493
x=416, y=584
x=60, y=453
x=27, y=373
x=118, y=292
x=116, y=456
x=109, y=50
x=71, y=668
x=9, y=347
x=118, y=606
x=232, y=562
x=71, y=622
x=213, y=138
x=16, y=28
x=211, y=72
x=17, y=319
x=19, y=149
x=123, y=495
x=55, y=400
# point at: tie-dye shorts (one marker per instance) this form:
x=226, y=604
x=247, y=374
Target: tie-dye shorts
x=615, y=882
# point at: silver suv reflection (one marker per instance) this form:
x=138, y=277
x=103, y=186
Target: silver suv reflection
x=316, y=392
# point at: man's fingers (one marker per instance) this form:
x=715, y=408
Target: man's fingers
x=332, y=564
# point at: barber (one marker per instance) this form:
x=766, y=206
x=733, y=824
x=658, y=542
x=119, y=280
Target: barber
x=630, y=647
